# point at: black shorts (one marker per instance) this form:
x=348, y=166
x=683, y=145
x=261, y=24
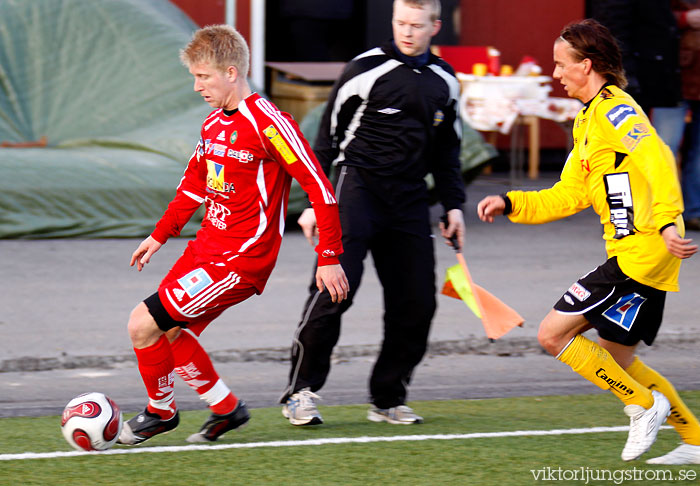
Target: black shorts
x=622, y=310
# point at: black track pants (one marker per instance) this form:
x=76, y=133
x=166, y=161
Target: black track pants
x=390, y=220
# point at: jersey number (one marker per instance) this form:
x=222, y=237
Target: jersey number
x=625, y=310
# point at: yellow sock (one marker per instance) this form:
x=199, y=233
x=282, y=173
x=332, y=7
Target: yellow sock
x=682, y=419
x=597, y=365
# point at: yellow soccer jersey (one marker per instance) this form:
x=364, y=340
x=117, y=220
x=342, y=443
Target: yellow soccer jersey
x=621, y=167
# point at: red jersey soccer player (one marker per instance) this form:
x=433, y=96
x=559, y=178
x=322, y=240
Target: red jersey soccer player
x=241, y=170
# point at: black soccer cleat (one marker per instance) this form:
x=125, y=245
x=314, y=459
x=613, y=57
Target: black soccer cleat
x=217, y=425
x=144, y=426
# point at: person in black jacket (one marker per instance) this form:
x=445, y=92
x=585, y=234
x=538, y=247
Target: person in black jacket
x=392, y=118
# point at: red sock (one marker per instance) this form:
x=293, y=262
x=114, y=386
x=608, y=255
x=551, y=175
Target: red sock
x=193, y=365
x=156, y=368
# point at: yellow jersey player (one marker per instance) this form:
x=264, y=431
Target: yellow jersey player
x=621, y=168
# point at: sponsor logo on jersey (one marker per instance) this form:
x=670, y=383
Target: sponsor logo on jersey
x=215, y=178
x=280, y=144
x=638, y=132
x=579, y=291
x=389, y=111
x=240, y=155
x=179, y=294
x=619, y=200
x=619, y=114
x=217, y=214
x=200, y=147
x=438, y=118
x=222, y=136
x=234, y=137
x=328, y=253
x=217, y=149
x=568, y=299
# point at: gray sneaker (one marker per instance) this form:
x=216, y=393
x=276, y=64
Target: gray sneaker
x=301, y=409
x=402, y=414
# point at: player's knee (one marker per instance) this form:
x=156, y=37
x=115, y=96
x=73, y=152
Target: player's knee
x=142, y=329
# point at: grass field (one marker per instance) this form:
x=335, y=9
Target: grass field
x=266, y=460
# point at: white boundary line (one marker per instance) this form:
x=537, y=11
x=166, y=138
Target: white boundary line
x=312, y=442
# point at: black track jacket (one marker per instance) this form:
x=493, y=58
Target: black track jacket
x=396, y=121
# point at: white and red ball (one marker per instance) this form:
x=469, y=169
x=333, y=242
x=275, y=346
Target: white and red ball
x=91, y=422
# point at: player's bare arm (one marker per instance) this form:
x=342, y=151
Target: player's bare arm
x=677, y=246
x=143, y=253
x=455, y=227
x=489, y=207
x=333, y=279
x=307, y=222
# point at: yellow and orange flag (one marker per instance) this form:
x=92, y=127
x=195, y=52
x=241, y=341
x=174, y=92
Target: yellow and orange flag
x=496, y=316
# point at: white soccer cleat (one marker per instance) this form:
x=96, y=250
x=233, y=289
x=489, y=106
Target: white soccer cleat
x=401, y=415
x=683, y=454
x=300, y=408
x=644, y=426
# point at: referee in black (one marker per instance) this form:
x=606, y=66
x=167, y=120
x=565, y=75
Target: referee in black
x=391, y=119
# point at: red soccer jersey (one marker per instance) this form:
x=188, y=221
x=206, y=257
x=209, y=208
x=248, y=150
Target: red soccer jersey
x=241, y=170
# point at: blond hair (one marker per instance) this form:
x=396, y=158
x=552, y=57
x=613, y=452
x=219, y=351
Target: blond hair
x=220, y=46
x=433, y=5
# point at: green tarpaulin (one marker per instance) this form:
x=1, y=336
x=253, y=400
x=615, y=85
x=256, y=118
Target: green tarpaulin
x=101, y=83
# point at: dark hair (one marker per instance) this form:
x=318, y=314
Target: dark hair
x=589, y=39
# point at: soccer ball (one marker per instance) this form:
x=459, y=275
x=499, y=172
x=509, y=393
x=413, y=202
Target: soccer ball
x=91, y=422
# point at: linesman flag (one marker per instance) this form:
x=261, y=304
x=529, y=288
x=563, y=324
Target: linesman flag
x=496, y=316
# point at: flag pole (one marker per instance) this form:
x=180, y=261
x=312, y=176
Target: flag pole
x=463, y=263
x=496, y=316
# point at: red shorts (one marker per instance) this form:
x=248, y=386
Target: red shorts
x=198, y=289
